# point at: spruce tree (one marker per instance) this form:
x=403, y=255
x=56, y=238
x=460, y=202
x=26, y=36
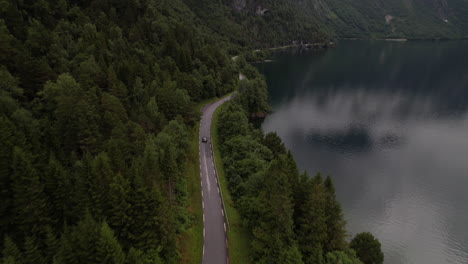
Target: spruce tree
x=10, y=252
x=32, y=253
x=51, y=246
x=118, y=214
x=310, y=218
x=151, y=223
x=336, y=233
x=29, y=204
x=102, y=177
x=58, y=188
x=135, y=256
x=83, y=240
x=66, y=253
x=273, y=237
x=7, y=131
x=108, y=249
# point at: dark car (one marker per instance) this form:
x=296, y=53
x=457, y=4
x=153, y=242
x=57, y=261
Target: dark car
x=204, y=140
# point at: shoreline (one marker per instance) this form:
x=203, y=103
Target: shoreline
x=406, y=39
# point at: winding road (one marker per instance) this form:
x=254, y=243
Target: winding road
x=215, y=247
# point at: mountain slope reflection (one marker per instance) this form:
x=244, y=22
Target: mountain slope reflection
x=393, y=139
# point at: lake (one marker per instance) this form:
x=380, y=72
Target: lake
x=389, y=122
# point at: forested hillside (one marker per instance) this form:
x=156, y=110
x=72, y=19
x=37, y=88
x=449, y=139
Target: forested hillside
x=96, y=101
x=264, y=23
x=403, y=18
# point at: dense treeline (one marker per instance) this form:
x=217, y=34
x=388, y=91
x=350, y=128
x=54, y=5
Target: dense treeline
x=96, y=98
x=291, y=217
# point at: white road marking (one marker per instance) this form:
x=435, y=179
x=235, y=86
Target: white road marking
x=222, y=212
x=206, y=174
x=225, y=228
x=203, y=204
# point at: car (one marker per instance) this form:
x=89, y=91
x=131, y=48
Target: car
x=204, y=139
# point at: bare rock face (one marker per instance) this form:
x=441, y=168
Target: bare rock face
x=261, y=10
x=239, y=5
x=442, y=9
x=388, y=19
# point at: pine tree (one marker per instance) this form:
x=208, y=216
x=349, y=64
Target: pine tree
x=273, y=237
x=7, y=131
x=336, y=233
x=108, y=249
x=151, y=223
x=102, y=177
x=118, y=214
x=135, y=256
x=273, y=142
x=66, y=253
x=310, y=218
x=10, y=252
x=115, y=86
x=51, y=246
x=58, y=188
x=82, y=180
x=32, y=253
x=29, y=204
x=83, y=241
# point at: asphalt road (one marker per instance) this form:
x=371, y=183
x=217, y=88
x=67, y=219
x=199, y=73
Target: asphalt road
x=214, y=228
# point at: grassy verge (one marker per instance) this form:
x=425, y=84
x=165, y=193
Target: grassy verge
x=191, y=242
x=238, y=242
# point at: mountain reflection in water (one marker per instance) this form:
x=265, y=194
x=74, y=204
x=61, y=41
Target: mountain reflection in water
x=389, y=122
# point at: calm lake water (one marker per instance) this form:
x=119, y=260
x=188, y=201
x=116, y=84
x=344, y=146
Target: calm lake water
x=389, y=122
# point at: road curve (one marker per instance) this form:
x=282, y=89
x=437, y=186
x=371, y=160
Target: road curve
x=214, y=228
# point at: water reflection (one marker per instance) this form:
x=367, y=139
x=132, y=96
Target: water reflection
x=390, y=124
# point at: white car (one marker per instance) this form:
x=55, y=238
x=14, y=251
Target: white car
x=204, y=140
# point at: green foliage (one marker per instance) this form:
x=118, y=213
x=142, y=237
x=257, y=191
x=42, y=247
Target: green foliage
x=273, y=237
x=96, y=101
x=30, y=208
x=342, y=257
x=10, y=252
x=291, y=217
x=311, y=225
x=108, y=248
x=368, y=248
x=336, y=233
x=32, y=255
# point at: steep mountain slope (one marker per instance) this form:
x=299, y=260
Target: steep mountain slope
x=261, y=23
x=395, y=18
x=266, y=22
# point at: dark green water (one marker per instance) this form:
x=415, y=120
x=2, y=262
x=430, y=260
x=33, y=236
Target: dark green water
x=389, y=122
